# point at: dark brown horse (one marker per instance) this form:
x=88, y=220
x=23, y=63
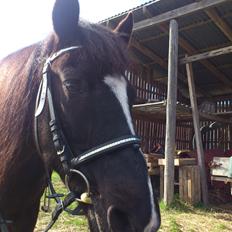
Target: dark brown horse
x=91, y=99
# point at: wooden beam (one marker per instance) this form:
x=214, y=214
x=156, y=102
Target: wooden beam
x=191, y=50
x=171, y=114
x=147, y=52
x=146, y=12
x=157, y=59
x=206, y=55
x=217, y=73
x=222, y=25
x=214, y=117
x=196, y=123
x=161, y=61
x=183, y=43
x=173, y=14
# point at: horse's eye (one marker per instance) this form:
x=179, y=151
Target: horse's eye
x=75, y=86
x=71, y=85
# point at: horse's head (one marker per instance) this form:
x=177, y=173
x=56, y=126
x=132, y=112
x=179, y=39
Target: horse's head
x=92, y=100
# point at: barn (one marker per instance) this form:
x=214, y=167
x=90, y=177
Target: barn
x=182, y=71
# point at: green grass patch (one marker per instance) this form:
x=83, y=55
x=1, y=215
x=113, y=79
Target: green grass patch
x=220, y=227
x=174, y=226
x=177, y=205
x=177, y=217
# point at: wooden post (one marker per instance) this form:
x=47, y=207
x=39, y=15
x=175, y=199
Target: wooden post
x=196, y=123
x=171, y=114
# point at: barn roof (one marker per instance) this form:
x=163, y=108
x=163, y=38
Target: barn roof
x=204, y=25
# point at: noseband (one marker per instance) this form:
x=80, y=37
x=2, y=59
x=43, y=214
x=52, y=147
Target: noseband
x=69, y=160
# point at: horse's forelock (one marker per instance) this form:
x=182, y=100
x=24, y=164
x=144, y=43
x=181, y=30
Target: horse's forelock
x=104, y=46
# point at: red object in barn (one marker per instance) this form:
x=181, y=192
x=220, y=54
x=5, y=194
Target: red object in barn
x=218, y=187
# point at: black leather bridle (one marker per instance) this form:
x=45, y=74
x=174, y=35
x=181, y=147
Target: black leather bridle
x=70, y=162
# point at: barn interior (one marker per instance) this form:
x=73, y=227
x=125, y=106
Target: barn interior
x=205, y=44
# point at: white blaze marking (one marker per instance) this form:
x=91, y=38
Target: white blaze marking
x=118, y=86
x=154, y=218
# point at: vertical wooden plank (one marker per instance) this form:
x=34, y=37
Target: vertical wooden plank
x=198, y=184
x=171, y=114
x=189, y=183
x=161, y=182
x=181, y=184
x=185, y=184
x=193, y=184
x=196, y=122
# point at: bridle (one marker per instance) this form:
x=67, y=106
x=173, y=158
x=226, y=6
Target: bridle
x=68, y=159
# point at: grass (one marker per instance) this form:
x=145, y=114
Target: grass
x=183, y=217
x=179, y=217
x=66, y=222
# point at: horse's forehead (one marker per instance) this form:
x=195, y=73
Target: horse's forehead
x=118, y=86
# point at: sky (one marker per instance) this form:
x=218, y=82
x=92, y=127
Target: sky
x=23, y=22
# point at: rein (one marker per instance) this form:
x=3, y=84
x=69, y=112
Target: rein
x=68, y=159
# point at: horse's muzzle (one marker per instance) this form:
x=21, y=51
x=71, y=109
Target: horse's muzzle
x=119, y=221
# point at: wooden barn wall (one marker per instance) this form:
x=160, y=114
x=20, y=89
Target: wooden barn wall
x=146, y=89
x=152, y=131
x=220, y=137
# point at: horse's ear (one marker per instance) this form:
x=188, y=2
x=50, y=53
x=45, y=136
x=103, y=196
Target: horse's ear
x=65, y=17
x=125, y=27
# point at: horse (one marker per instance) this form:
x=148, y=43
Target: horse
x=65, y=105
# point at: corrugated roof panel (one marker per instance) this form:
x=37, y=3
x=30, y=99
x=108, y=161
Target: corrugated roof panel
x=134, y=9
x=222, y=60
x=167, y=5
x=159, y=70
x=205, y=36
x=227, y=71
x=202, y=76
x=228, y=20
x=151, y=32
x=155, y=7
x=199, y=32
x=159, y=46
x=225, y=8
x=196, y=18
x=224, y=64
x=144, y=59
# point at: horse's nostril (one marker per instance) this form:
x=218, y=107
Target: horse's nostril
x=118, y=220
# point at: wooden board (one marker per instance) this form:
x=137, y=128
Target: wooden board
x=152, y=164
x=180, y=161
x=152, y=157
x=189, y=184
x=221, y=167
x=221, y=178
x=224, y=179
